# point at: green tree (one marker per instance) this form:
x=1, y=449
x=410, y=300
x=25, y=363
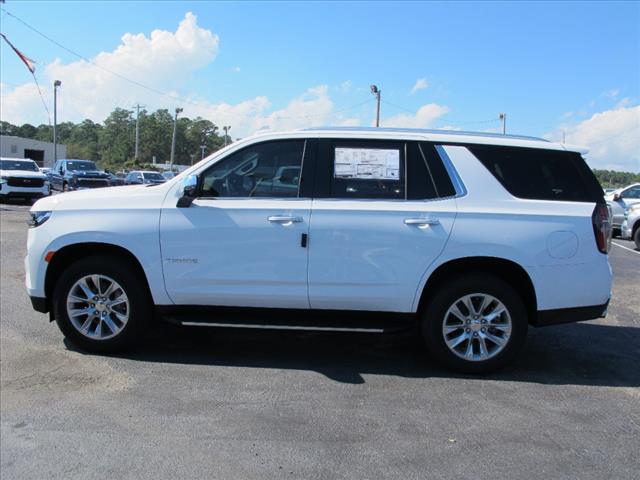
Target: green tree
x=116, y=139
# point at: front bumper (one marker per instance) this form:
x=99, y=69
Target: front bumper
x=557, y=316
x=24, y=192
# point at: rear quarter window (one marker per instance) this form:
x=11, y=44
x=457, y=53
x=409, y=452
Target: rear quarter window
x=540, y=174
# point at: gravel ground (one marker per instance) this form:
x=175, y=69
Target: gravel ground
x=213, y=403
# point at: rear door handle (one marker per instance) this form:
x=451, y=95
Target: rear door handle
x=284, y=219
x=421, y=222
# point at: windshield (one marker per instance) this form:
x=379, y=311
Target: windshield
x=153, y=176
x=19, y=165
x=83, y=166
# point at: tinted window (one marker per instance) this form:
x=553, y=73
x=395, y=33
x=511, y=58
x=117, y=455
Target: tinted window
x=81, y=166
x=18, y=165
x=153, y=176
x=540, y=174
x=426, y=175
x=633, y=192
x=270, y=169
x=363, y=169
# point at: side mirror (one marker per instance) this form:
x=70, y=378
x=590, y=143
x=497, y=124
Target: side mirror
x=189, y=191
x=616, y=197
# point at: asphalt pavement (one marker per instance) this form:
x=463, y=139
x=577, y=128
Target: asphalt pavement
x=245, y=404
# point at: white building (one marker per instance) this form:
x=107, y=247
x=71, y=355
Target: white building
x=40, y=152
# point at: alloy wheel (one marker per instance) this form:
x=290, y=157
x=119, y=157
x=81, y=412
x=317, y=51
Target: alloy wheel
x=98, y=307
x=477, y=327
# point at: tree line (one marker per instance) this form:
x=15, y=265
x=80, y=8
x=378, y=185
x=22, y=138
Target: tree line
x=613, y=179
x=112, y=143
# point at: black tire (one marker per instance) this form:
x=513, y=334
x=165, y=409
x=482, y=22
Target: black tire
x=65, y=187
x=433, y=318
x=636, y=238
x=140, y=306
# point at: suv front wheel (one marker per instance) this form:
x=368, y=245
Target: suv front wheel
x=100, y=305
x=475, y=323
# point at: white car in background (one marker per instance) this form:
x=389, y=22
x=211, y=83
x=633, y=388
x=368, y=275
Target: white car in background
x=621, y=199
x=469, y=237
x=21, y=178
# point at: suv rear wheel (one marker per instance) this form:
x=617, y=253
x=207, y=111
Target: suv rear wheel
x=100, y=305
x=475, y=323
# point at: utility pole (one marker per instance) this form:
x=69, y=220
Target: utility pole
x=226, y=129
x=503, y=117
x=376, y=92
x=193, y=155
x=56, y=84
x=137, y=107
x=202, y=147
x=173, y=138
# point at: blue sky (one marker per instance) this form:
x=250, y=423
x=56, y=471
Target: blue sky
x=552, y=67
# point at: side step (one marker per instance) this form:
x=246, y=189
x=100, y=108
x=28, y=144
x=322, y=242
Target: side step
x=286, y=319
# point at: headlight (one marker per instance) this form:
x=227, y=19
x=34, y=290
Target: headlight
x=38, y=218
x=3, y=179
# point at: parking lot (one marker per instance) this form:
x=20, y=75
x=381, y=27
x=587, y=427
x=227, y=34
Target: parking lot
x=210, y=403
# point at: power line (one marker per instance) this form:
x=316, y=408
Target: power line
x=155, y=90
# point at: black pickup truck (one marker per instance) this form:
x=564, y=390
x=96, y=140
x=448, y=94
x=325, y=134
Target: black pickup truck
x=77, y=174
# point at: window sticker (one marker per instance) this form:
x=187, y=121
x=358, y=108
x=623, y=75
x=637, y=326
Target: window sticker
x=367, y=163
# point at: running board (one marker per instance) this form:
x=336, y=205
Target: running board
x=284, y=319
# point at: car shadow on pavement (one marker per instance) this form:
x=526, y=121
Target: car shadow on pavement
x=575, y=354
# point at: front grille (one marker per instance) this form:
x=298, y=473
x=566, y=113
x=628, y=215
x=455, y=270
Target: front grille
x=92, y=182
x=25, y=182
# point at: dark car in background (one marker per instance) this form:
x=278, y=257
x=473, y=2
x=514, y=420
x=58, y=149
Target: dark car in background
x=55, y=179
x=117, y=179
x=140, y=177
x=78, y=174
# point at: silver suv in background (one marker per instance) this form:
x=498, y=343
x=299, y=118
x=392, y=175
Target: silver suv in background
x=619, y=200
x=631, y=224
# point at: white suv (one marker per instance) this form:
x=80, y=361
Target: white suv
x=471, y=237
x=21, y=177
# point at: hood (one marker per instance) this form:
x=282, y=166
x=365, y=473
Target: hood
x=22, y=173
x=109, y=198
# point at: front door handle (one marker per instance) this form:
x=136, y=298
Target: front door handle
x=421, y=222
x=284, y=219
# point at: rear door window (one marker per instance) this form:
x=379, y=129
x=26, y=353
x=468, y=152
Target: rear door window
x=367, y=169
x=540, y=174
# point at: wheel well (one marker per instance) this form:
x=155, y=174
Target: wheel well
x=507, y=270
x=64, y=257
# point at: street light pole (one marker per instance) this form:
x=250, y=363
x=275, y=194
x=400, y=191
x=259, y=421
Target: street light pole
x=376, y=92
x=503, y=117
x=56, y=84
x=173, y=138
x=137, y=107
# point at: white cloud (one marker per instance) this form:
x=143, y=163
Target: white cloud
x=236, y=69
x=612, y=137
x=345, y=87
x=420, y=84
x=163, y=60
x=423, y=118
x=613, y=93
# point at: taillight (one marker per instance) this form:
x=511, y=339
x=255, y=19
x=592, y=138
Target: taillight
x=601, y=220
